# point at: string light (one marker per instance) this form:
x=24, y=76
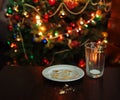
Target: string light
x=47, y=34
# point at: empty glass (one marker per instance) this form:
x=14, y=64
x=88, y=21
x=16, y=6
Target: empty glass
x=95, y=59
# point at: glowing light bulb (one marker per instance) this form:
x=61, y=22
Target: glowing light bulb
x=18, y=39
x=25, y=13
x=38, y=22
x=37, y=17
x=40, y=33
x=81, y=22
x=43, y=28
x=50, y=36
x=60, y=37
x=93, y=15
x=56, y=34
x=16, y=8
x=15, y=50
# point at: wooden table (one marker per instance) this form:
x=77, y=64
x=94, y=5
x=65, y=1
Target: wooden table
x=27, y=83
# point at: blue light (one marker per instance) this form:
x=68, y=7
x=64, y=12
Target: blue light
x=44, y=41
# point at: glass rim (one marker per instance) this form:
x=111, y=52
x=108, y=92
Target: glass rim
x=100, y=47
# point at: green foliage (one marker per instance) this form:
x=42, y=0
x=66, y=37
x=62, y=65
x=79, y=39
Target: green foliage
x=36, y=49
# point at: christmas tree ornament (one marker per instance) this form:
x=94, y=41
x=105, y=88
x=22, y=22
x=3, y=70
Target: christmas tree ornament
x=15, y=8
x=72, y=24
x=52, y=2
x=73, y=44
x=71, y=3
x=35, y=1
x=10, y=27
x=46, y=17
x=17, y=17
x=14, y=36
x=26, y=14
x=62, y=14
x=46, y=61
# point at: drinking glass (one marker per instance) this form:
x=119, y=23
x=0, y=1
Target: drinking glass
x=95, y=59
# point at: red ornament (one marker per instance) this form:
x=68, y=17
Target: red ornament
x=46, y=16
x=45, y=61
x=69, y=29
x=81, y=63
x=35, y=1
x=50, y=12
x=45, y=20
x=72, y=24
x=74, y=44
x=17, y=17
x=10, y=27
x=71, y=4
x=52, y=2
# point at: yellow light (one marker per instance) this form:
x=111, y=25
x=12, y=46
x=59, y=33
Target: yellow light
x=15, y=50
x=86, y=25
x=8, y=15
x=39, y=22
x=105, y=41
x=43, y=28
x=69, y=31
x=16, y=8
x=13, y=45
x=40, y=33
x=105, y=34
x=88, y=21
x=25, y=13
x=77, y=30
x=81, y=22
x=80, y=28
x=50, y=36
x=60, y=37
x=37, y=17
x=93, y=21
x=18, y=39
x=93, y=15
x=37, y=39
x=97, y=15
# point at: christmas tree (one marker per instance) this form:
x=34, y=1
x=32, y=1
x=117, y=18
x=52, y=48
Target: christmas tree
x=45, y=32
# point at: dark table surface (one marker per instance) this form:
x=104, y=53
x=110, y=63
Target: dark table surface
x=27, y=83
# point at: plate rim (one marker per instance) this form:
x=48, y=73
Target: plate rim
x=65, y=65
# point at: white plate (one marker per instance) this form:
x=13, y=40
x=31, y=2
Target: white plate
x=63, y=73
